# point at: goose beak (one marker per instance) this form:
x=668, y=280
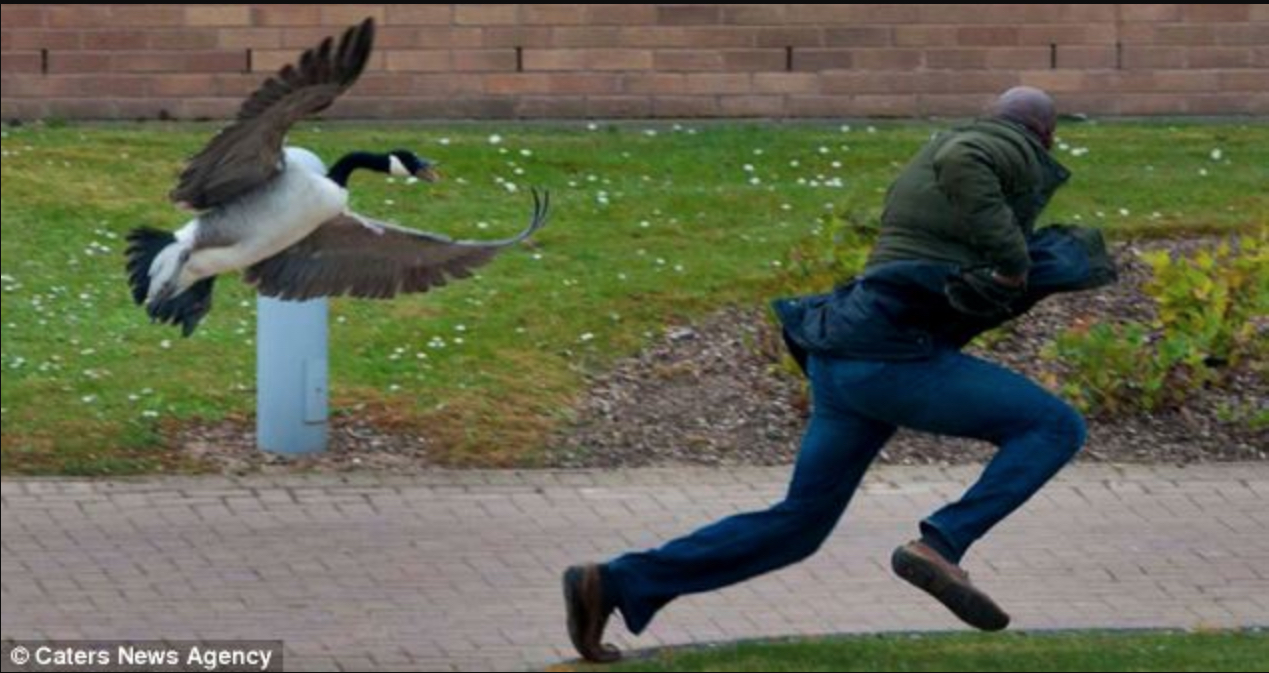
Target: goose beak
x=428, y=174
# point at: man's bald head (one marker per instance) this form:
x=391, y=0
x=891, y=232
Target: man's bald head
x=1030, y=107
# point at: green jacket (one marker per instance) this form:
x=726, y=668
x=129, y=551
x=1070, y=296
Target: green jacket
x=971, y=197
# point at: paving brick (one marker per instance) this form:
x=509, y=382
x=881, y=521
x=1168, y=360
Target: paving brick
x=459, y=570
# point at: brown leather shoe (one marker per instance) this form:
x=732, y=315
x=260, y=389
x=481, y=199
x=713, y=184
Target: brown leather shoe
x=927, y=570
x=588, y=613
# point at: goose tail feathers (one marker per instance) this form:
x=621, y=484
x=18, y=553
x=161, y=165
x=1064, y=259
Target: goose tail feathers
x=186, y=309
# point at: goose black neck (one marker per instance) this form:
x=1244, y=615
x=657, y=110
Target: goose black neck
x=342, y=170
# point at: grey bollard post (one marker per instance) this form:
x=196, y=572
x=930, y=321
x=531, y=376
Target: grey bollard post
x=291, y=376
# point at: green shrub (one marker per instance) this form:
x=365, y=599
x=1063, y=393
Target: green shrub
x=1215, y=299
x=1212, y=310
x=835, y=252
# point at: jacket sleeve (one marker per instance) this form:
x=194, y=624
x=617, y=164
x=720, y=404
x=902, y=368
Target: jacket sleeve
x=971, y=175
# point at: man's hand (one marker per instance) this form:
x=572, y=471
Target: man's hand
x=984, y=293
x=1009, y=281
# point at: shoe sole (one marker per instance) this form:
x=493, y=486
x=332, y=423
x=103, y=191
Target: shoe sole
x=578, y=615
x=576, y=608
x=971, y=605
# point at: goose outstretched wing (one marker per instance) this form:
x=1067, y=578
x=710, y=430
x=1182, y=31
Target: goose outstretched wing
x=245, y=154
x=360, y=257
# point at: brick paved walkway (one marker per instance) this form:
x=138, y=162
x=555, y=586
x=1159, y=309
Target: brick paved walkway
x=459, y=570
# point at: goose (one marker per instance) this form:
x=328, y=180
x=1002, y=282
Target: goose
x=278, y=214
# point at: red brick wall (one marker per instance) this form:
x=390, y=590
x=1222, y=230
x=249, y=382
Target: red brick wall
x=502, y=61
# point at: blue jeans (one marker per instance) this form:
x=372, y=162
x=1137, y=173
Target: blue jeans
x=858, y=404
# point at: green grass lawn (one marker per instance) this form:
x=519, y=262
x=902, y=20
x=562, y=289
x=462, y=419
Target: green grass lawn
x=1101, y=651
x=650, y=224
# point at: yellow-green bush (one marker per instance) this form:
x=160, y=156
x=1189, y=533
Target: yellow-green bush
x=1213, y=314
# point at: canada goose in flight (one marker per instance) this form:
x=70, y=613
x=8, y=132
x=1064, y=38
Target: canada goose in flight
x=278, y=213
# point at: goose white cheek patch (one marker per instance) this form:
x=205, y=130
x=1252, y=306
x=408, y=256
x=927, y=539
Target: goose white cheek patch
x=396, y=167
